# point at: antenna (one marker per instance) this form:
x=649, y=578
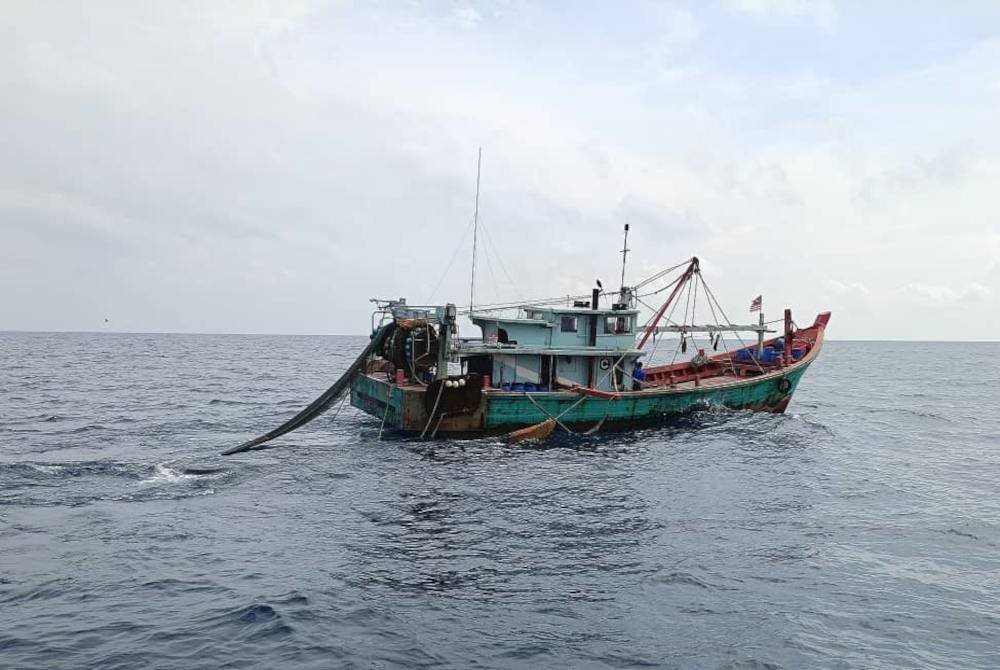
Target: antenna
x=475, y=232
x=624, y=253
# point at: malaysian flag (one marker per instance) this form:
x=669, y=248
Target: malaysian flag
x=755, y=305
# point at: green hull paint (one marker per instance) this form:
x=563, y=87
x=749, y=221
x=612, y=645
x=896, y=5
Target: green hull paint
x=508, y=411
x=505, y=411
x=373, y=395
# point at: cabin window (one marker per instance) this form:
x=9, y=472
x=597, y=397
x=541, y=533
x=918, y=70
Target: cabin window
x=568, y=324
x=617, y=325
x=502, y=336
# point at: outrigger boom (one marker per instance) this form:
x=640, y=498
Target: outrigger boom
x=729, y=328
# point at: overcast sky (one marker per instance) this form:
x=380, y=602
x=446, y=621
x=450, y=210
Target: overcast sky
x=268, y=167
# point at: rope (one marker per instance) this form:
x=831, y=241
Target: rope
x=431, y=417
x=680, y=343
x=388, y=398
x=694, y=309
x=546, y=413
x=440, y=419
x=725, y=345
x=489, y=266
x=503, y=266
x=454, y=255
x=661, y=273
x=597, y=426
x=723, y=312
x=339, y=407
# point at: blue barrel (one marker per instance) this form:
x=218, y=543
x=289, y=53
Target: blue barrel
x=505, y=386
x=779, y=344
x=543, y=389
x=517, y=386
x=530, y=388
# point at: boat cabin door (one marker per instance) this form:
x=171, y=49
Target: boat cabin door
x=547, y=373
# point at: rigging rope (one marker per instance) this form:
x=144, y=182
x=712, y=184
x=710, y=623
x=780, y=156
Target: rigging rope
x=503, y=266
x=735, y=333
x=451, y=262
x=661, y=273
x=722, y=337
x=680, y=343
x=431, y=417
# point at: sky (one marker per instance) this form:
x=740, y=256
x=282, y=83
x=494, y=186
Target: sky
x=252, y=166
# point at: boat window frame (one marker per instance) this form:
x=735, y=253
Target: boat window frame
x=569, y=318
x=611, y=322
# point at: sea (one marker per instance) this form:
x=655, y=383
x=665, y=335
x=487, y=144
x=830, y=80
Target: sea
x=861, y=529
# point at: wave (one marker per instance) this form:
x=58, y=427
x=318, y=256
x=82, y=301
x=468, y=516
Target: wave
x=165, y=474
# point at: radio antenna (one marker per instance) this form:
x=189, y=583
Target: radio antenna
x=475, y=232
x=624, y=253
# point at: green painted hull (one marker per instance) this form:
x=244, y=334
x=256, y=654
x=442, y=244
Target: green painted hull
x=402, y=410
x=507, y=411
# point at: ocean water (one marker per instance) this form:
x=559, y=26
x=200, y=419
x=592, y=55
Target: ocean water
x=859, y=530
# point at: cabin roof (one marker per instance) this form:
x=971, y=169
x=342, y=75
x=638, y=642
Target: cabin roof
x=580, y=310
x=473, y=348
x=553, y=311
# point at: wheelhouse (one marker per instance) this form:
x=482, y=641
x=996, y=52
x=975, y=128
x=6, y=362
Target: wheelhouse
x=550, y=348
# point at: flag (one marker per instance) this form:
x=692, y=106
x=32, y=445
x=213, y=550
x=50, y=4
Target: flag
x=755, y=305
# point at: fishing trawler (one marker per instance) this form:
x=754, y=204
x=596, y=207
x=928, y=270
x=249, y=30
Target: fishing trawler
x=572, y=363
x=574, y=366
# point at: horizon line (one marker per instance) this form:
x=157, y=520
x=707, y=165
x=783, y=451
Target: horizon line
x=316, y=334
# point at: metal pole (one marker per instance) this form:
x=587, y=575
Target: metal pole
x=475, y=232
x=788, y=337
x=625, y=251
x=760, y=334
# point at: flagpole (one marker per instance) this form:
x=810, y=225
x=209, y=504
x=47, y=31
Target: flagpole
x=760, y=332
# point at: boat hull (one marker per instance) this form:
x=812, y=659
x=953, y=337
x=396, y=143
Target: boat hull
x=508, y=411
x=402, y=408
x=405, y=408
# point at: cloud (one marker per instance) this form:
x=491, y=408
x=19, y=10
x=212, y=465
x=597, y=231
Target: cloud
x=849, y=288
x=850, y=299
x=658, y=219
x=821, y=12
x=466, y=16
x=229, y=166
x=951, y=167
x=945, y=296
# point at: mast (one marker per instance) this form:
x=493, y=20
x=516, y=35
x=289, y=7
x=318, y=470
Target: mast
x=475, y=232
x=624, y=252
x=760, y=334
